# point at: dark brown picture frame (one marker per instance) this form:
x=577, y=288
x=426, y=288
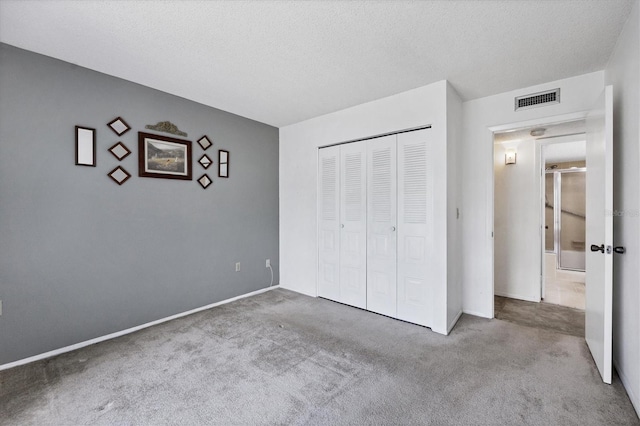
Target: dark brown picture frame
x=205, y=181
x=204, y=142
x=223, y=163
x=112, y=123
x=159, y=157
x=112, y=175
x=81, y=140
x=127, y=151
x=205, y=161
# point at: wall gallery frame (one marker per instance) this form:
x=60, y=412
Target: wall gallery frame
x=205, y=181
x=205, y=161
x=119, y=175
x=85, y=146
x=164, y=157
x=120, y=151
x=119, y=126
x=223, y=163
x=204, y=142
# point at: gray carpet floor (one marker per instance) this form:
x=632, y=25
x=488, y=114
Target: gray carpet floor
x=540, y=315
x=284, y=358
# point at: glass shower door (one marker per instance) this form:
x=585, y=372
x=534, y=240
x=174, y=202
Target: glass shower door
x=571, y=241
x=564, y=217
x=549, y=214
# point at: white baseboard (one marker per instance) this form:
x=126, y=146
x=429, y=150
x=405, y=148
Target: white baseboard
x=635, y=399
x=517, y=296
x=127, y=331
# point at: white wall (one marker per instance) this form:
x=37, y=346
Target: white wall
x=517, y=245
x=623, y=71
x=298, y=175
x=479, y=115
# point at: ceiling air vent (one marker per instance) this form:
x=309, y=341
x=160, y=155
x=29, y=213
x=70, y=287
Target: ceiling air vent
x=538, y=99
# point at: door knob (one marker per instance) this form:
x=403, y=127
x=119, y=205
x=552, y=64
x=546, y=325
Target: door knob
x=393, y=228
x=342, y=225
x=597, y=248
x=619, y=250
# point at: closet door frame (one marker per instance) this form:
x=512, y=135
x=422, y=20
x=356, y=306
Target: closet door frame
x=414, y=260
x=328, y=285
x=382, y=225
x=416, y=236
x=353, y=224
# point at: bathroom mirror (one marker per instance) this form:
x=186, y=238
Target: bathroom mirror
x=85, y=146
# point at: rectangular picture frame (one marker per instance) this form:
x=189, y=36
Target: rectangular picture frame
x=164, y=157
x=223, y=163
x=85, y=146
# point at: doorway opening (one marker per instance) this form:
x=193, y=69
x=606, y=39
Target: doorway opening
x=539, y=225
x=564, y=220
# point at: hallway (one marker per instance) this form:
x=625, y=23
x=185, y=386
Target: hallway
x=544, y=316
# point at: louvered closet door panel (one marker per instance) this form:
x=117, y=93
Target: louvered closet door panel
x=329, y=223
x=381, y=225
x=415, y=227
x=353, y=225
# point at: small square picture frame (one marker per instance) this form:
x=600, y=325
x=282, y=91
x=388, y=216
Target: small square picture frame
x=205, y=181
x=119, y=126
x=205, y=161
x=119, y=175
x=204, y=142
x=120, y=151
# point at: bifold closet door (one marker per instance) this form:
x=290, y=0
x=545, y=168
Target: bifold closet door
x=415, y=227
x=329, y=223
x=381, y=225
x=353, y=225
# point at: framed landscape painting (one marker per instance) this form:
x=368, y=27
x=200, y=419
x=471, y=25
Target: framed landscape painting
x=163, y=157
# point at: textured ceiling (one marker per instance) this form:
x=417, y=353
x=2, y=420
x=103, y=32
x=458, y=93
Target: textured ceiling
x=281, y=62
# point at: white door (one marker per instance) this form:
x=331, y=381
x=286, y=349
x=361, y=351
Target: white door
x=353, y=224
x=599, y=229
x=381, y=225
x=415, y=227
x=329, y=223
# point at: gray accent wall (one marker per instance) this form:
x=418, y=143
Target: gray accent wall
x=82, y=257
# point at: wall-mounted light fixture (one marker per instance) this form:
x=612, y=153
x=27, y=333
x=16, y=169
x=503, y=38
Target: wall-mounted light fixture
x=510, y=156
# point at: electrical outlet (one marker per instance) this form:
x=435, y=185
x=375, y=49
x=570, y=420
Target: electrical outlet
x=268, y=264
x=238, y=267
